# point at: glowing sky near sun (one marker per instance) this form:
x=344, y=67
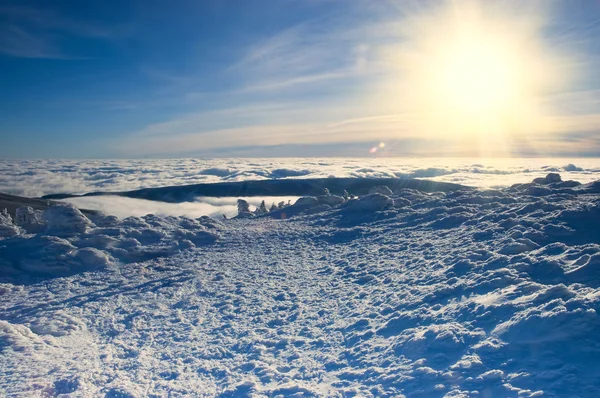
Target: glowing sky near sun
x=295, y=78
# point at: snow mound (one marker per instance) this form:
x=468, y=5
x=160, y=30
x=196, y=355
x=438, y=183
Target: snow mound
x=29, y=219
x=330, y=200
x=306, y=201
x=18, y=338
x=66, y=218
x=549, y=179
x=369, y=203
x=67, y=242
x=382, y=189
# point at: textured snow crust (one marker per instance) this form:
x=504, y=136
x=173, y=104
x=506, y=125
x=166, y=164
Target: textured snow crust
x=62, y=241
x=467, y=294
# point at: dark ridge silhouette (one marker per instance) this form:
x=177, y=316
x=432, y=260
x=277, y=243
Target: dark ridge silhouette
x=13, y=202
x=292, y=187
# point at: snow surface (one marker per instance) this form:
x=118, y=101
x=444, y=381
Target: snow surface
x=467, y=294
x=35, y=178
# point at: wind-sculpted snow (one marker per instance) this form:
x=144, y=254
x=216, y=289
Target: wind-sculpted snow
x=64, y=241
x=35, y=178
x=471, y=293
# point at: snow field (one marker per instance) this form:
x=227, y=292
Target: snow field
x=465, y=294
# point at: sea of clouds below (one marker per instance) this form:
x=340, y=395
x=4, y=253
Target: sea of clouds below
x=123, y=207
x=34, y=178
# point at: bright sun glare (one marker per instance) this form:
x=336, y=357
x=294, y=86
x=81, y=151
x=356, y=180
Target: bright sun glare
x=472, y=71
x=475, y=76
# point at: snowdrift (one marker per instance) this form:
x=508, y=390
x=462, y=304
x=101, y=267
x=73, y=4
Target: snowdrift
x=467, y=293
x=61, y=240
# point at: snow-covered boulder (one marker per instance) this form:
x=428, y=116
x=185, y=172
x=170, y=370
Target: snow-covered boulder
x=29, y=219
x=66, y=218
x=551, y=178
x=382, y=189
x=330, y=200
x=369, y=203
x=306, y=201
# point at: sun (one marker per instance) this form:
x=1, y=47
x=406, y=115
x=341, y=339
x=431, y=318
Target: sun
x=473, y=71
x=475, y=75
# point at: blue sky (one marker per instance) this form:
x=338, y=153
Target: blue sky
x=136, y=79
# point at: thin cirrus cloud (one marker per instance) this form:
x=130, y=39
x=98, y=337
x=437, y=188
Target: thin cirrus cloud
x=17, y=42
x=34, y=32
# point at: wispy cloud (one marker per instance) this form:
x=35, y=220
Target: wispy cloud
x=17, y=42
x=312, y=52
x=31, y=32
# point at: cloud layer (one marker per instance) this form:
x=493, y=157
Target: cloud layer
x=34, y=178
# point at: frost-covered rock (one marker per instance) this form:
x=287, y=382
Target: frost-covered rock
x=551, y=178
x=382, y=189
x=7, y=227
x=330, y=200
x=29, y=219
x=66, y=218
x=306, y=201
x=369, y=203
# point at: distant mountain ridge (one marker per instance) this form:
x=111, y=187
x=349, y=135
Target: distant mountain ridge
x=278, y=187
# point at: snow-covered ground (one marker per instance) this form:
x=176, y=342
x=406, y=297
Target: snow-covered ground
x=464, y=294
x=34, y=178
